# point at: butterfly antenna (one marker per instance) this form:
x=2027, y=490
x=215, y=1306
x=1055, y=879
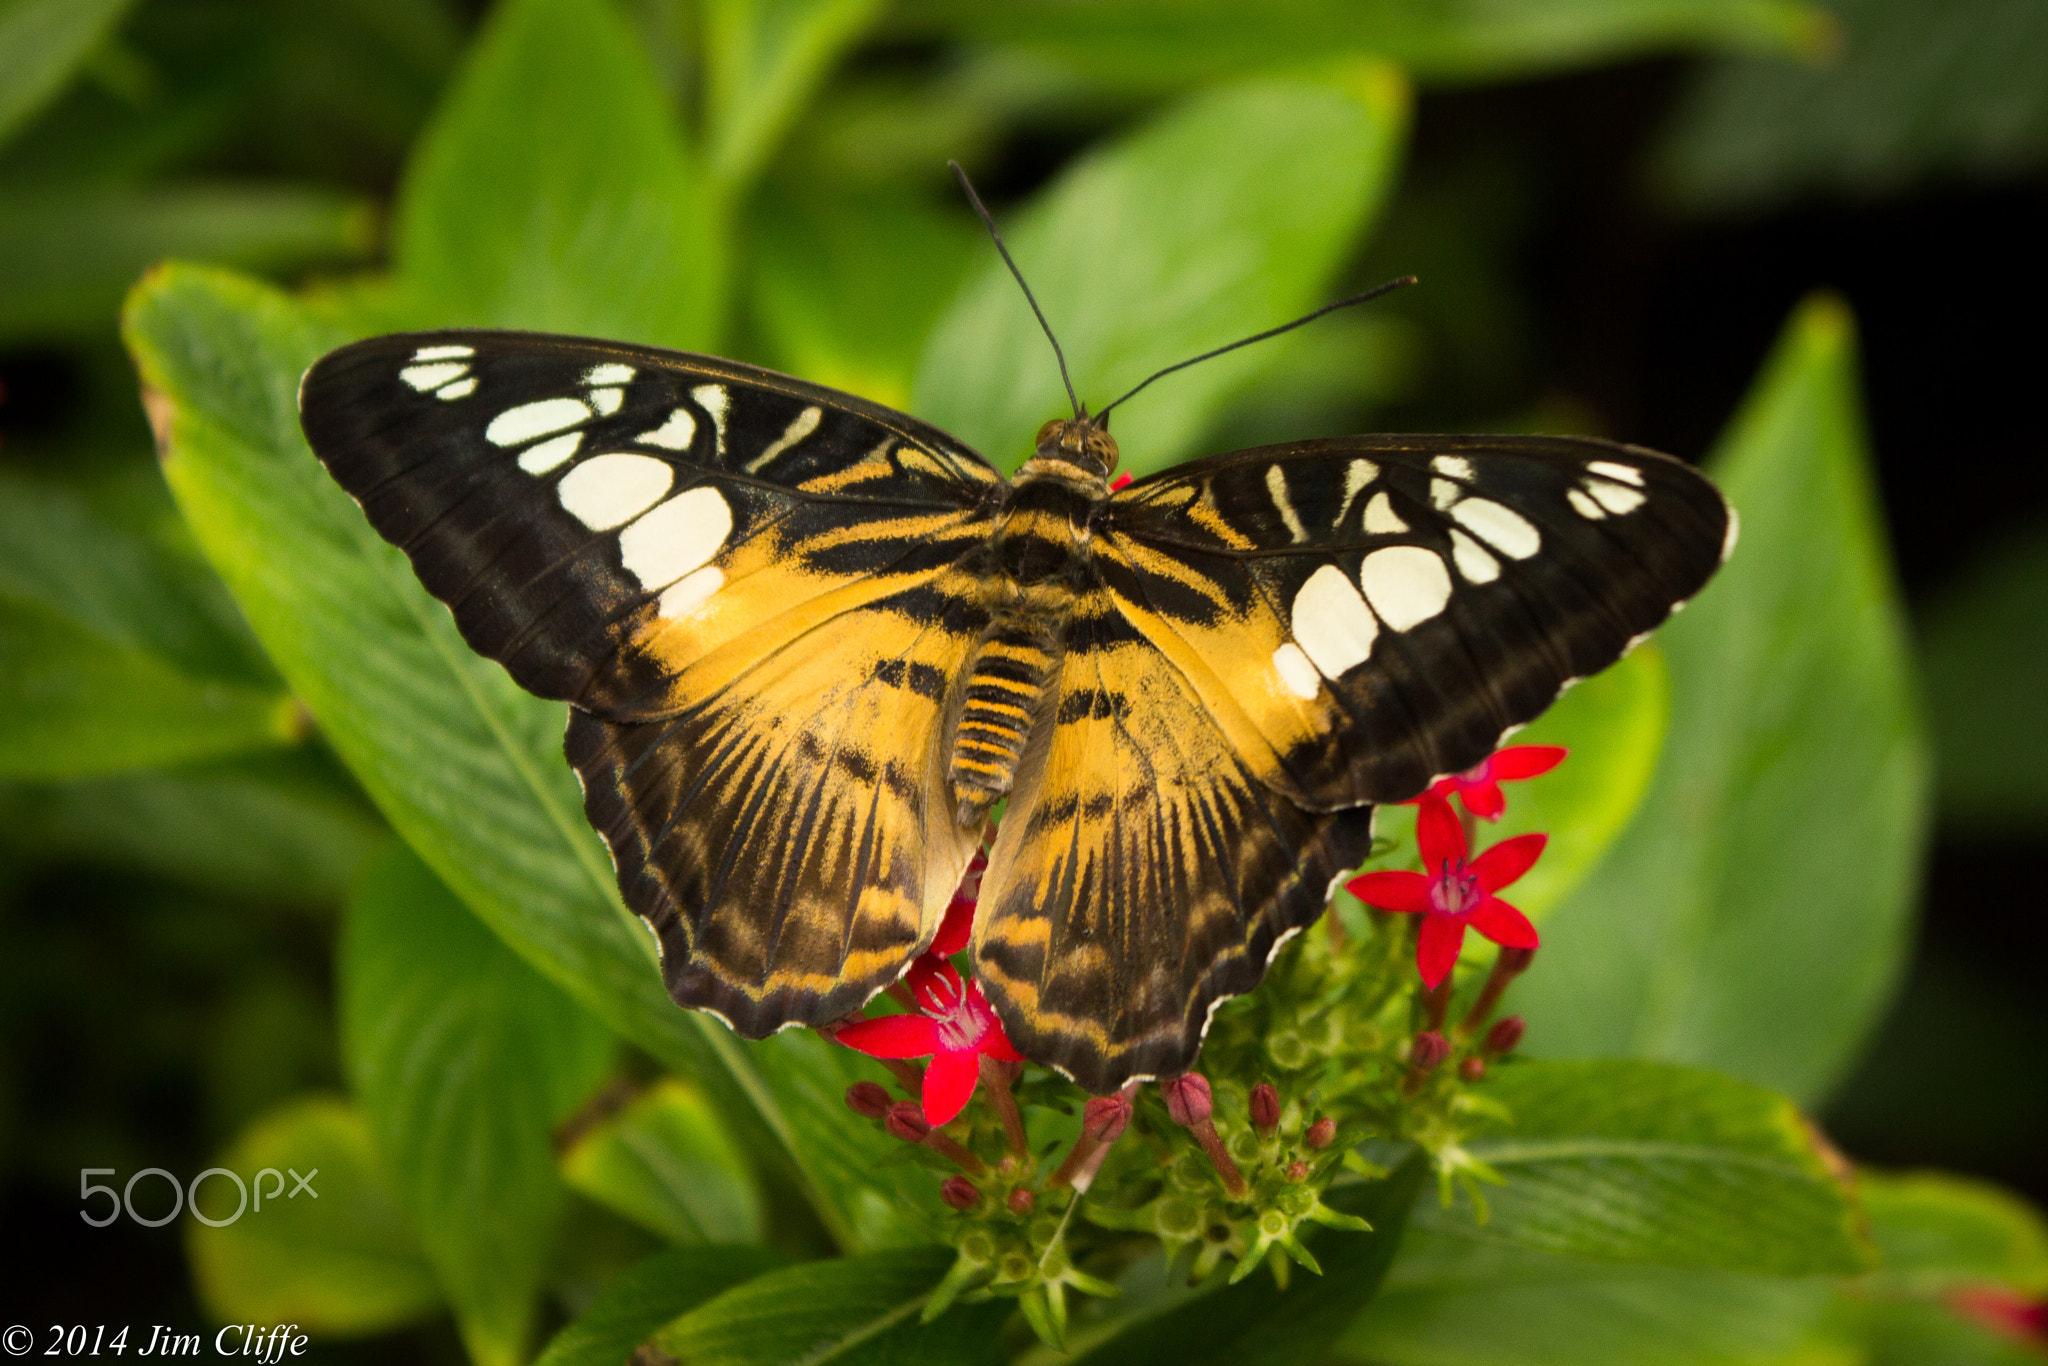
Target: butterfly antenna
x=988, y=221
x=1374, y=293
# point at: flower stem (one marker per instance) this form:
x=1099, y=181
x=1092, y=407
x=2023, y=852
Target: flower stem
x=996, y=1077
x=1507, y=966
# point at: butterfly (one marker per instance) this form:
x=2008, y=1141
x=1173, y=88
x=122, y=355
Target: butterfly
x=809, y=643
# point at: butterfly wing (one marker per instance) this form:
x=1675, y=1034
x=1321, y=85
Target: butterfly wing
x=743, y=583
x=1364, y=614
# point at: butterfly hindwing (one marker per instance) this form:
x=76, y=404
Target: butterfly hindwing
x=1364, y=614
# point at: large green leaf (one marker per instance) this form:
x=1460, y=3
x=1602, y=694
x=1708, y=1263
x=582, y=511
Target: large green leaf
x=665, y=1161
x=626, y=1312
x=1152, y=44
x=336, y=1258
x=1254, y=1322
x=1754, y=916
x=765, y=58
x=553, y=190
x=1634, y=1161
x=1936, y=1233
x=1223, y=215
x=463, y=1058
x=42, y=42
x=847, y=1311
x=466, y=766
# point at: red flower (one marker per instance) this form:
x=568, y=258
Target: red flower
x=1479, y=788
x=954, y=1026
x=1119, y=481
x=958, y=925
x=1456, y=893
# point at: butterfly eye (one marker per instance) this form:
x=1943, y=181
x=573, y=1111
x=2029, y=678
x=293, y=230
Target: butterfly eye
x=1049, y=434
x=1102, y=446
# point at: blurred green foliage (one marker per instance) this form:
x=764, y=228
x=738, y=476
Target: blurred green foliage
x=222, y=708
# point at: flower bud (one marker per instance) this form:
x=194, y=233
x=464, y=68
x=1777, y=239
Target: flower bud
x=1020, y=1201
x=867, y=1099
x=1321, y=1134
x=906, y=1121
x=1514, y=962
x=1297, y=1171
x=959, y=1192
x=1472, y=1068
x=1265, y=1108
x=1103, y=1118
x=1429, y=1051
x=1504, y=1035
x=1187, y=1098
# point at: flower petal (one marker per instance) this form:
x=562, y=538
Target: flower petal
x=1526, y=761
x=1503, y=863
x=1436, y=948
x=892, y=1036
x=994, y=1041
x=955, y=929
x=1407, y=893
x=948, y=1085
x=1483, y=799
x=935, y=983
x=1438, y=834
x=1503, y=924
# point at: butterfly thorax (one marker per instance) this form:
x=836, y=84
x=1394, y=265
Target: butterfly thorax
x=1036, y=560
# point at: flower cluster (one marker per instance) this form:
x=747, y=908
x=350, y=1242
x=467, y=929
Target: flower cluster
x=1344, y=1046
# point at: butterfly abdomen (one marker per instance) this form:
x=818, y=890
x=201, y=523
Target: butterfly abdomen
x=1005, y=682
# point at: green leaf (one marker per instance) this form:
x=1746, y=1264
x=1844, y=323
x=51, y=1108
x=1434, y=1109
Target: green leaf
x=467, y=767
x=338, y=1262
x=1155, y=44
x=666, y=1162
x=1937, y=1232
x=1984, y=656
x=74, y=704
x=626, y=1312
x=1754, y=916
x=1917, y=91
x=765, y=60
x=279, y=826
x=42, y=43
x=1223, y=215
x=838, y=1313
x=1613, y=723
x=553, y=190
x=68, y=255
x=1634, y=1161
x=463, y=1058
x=1254, y=1322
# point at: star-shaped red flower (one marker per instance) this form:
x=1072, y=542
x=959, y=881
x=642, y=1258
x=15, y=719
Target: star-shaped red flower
x=954, y=1026
x=1479, y=787
x=1454, y=893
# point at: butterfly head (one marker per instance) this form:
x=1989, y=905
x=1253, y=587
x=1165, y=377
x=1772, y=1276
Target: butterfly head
x=1083, y=442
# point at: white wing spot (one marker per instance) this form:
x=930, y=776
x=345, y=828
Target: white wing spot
x=1295, y=670
x=1406, y=585
x=1583, y=505
x=1734, y=534
x=1472, y=560
x=1453, y=467
x=425, y=377
x=607, y=401
x=610, y=490
x=444, y=353
x=1276, y=485
x=679, y=536
x=1330, y=621
x=687, y=594
x=550, y=453
x=800, y=426
x=516, y=426
x=462, y=388
x=1380, y=517
x=676, y=434
x=713, y=399
x=1444, y=493
x=608, y=374
x=1616, y=498
x=1627, y=474
x=1500, y=526
x=1357, y=475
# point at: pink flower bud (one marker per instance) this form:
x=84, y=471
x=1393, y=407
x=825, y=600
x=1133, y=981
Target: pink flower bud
x=906, y=1121
x=1265, y=1108
x=1472, y=1069
x=1429, y=1052
x=1020, y=1201
x=1321, y=1134
x=1504, y=1035
x=959, y=1192
x=1297, y=1172
x=1103, y=1118
x=1187, y=1098
x=867, y=1099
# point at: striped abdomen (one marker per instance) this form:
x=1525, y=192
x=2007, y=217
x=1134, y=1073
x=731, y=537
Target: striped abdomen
x=1007, y=676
